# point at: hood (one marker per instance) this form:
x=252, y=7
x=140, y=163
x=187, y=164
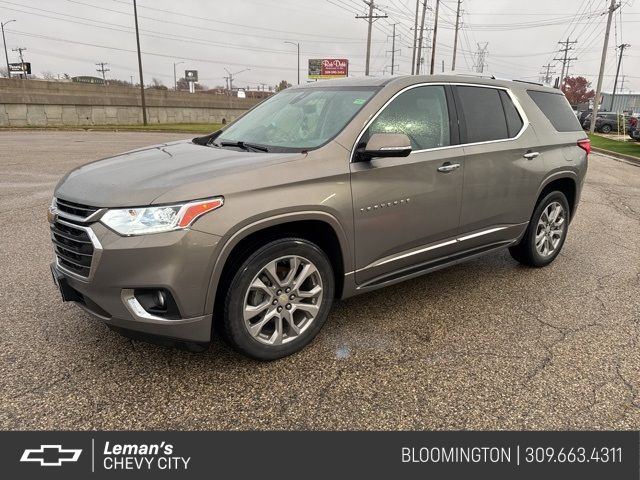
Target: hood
x=138, y=177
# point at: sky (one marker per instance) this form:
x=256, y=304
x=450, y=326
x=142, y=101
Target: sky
x=248, y=37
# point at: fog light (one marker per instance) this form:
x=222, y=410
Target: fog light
x=158, y=302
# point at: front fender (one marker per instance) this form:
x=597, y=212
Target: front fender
x=242, y=231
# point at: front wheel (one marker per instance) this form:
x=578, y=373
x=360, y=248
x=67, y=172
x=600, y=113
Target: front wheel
x=545, y=233
x=278, y=299
x=605, y=129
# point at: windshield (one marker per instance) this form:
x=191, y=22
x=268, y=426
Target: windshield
x=297, y=119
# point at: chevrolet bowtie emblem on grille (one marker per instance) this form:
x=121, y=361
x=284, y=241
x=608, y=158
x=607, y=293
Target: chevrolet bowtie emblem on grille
x=50, y=455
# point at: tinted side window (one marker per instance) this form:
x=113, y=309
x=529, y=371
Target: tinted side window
x=514, y=121
x=483, y=114
x=420, y=113
x=557, y=110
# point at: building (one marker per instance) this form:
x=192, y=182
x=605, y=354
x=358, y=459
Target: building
x=624, y=102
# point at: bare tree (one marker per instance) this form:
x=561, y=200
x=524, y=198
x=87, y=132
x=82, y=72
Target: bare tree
x=48, y=75
x=157, y=83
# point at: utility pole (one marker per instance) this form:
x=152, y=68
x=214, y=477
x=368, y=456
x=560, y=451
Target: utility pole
x=481, y=55
x=4, y=42
x=435, y=34
x=596, y=102
x=566, y=72
x=393, y=48
x=615, y=82
x=546, y=76
x=144, y=103
x=415, y=39
x=455, y=38
x=297, y=44
x=421, y=38
x=231, y=75
x=565, y=60
x=20, y=50
x=370, y=19
x=102, y=68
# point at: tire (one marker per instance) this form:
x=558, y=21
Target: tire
x=542, y=242
x=263, y=317
x=605, y=129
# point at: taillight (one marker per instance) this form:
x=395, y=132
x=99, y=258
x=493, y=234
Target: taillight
x=585, y=144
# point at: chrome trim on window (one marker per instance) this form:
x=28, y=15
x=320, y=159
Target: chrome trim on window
x=514, y=99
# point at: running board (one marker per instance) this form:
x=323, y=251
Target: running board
x=426, y=267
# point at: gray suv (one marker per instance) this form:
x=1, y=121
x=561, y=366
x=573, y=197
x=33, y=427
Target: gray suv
x=320, y=192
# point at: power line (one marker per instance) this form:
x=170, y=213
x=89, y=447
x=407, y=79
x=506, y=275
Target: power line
x=370, y=19
x=418, y=59
x=102, y=69
x=546, y=76
x=393, y=48
x=565, y=59
x=622, y=46
x=481, y=57
x=597, y=100
x=415, y=38
x=435, y=34
x=455, y=38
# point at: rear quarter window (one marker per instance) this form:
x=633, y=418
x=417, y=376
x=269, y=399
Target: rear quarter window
x=484, y=115
x=556, y=108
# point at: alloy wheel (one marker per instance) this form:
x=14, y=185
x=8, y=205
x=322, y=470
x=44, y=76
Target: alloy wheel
x=550, y=229
x=282, y=300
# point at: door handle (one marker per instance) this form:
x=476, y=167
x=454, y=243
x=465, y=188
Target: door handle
x=531, y=155
x=448, y=167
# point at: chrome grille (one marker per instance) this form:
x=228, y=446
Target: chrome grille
x=73, y=247
x=75, y=209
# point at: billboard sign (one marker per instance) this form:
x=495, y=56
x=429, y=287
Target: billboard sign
x=191, y=75
x=20, y=68
x=324, y=68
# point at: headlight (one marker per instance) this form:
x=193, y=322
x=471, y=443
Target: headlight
x=143, y=220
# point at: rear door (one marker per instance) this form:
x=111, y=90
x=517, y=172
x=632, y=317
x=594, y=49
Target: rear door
x=502, y=167
x=406, y=210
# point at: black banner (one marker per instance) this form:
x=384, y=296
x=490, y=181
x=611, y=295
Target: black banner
x=331, y=455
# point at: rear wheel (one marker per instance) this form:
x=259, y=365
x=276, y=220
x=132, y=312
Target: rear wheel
x=278, y=299
x=605, y=128
x=545, y=233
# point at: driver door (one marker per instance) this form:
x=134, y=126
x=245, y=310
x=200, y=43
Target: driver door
x=407, y=210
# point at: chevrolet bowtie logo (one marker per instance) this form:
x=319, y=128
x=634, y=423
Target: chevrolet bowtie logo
x=50, y=455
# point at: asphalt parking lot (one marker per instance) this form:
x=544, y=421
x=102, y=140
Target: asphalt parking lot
x=484, y=345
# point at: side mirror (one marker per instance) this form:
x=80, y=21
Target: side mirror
x=386, y=145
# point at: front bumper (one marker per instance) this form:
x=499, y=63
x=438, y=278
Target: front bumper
x=179, y=262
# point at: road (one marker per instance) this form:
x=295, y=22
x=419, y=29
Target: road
x=484, y=345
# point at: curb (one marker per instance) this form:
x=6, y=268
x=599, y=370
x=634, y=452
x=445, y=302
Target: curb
x=618, y=156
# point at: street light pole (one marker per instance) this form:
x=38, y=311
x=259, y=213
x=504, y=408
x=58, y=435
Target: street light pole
x=6, y=55
x=297, y=44
x=175, y=80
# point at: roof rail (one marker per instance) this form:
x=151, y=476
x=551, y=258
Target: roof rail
x=476, y=75
x=532, y=83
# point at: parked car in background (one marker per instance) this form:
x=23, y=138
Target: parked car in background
x=320, y=192
x=634, y=130
x=607, y=122
x=583, y=115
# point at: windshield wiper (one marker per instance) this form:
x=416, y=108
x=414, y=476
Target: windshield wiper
x=243, y=145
